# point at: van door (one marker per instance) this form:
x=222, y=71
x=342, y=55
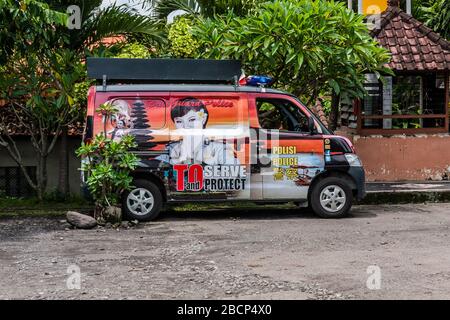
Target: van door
x=289, y=155
x=208, y=148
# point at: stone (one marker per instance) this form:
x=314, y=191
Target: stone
x=112, y=214
x=80, y=221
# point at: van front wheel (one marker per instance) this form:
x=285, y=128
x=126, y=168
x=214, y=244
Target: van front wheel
x=143, y=202
x=331, y=198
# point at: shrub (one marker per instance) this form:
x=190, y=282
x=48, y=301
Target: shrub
x=107, y=166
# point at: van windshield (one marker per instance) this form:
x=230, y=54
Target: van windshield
x=325, y=130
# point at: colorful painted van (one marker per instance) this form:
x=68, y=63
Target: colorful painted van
x=226, y=142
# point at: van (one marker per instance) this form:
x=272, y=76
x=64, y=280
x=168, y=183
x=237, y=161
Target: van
x=204, y=136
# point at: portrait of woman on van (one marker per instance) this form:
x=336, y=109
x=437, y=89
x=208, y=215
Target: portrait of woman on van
x=121, y=121
x=190, y=117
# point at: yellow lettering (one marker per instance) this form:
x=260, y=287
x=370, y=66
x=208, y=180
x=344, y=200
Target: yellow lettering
x=285, y=161
x=284, y=150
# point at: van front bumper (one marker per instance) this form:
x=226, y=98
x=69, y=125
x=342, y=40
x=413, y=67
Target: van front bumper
x=358, y=175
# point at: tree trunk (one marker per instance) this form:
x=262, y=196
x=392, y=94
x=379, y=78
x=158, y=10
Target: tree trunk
x=334, y=112
x=63, y=179
x=40, y=190
x=41, y=170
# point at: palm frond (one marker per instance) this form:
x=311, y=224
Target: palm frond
x=119, y=20
x=164, y=7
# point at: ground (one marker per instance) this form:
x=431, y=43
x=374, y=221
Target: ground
x=264, y=253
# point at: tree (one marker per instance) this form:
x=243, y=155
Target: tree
x=96, y=24
x=22, y=23
x=308, y=46
x=205, y=8
x=28, y=73
x=39, y=92
x=435, y=14
x=43, y=71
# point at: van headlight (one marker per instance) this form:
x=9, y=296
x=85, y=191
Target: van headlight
x=353, y=160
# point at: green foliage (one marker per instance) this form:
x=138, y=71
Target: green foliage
x=437, y=17
x=108, y=164
x=98, y=22
x=206, y=8
x=308, y=46
x=134, y=50
x=326, y=106
x=25, y=25
x=43, y=78
x=80, y=93
x=434, y=13
x=42, y=87
x=181, y=42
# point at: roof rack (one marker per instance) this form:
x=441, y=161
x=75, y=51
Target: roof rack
x=200, y=71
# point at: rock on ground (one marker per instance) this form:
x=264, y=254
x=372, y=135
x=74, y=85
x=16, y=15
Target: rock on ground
x=81, y=221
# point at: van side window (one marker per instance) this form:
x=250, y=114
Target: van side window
x=279, y=114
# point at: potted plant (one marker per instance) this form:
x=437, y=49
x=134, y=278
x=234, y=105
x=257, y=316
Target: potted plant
x=107, y=169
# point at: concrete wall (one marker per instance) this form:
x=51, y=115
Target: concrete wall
x=385, y=158
x=29, y=156
x=400, y=157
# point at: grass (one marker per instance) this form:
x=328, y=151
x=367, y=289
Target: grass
x=32, y=207
x=53, y=207
x=25, y=207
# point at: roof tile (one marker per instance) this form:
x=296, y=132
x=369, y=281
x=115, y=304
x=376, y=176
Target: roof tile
x=413, y=45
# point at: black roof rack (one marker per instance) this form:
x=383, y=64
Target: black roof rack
x=200, y=71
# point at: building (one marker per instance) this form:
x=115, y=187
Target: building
x=401, y=128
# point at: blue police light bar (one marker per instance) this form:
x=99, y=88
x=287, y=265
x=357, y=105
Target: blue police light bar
x=259, y=81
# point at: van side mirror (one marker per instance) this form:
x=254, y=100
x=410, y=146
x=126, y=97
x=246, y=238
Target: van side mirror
x=311, y=126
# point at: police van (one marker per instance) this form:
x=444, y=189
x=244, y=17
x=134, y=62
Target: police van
x=205, y=133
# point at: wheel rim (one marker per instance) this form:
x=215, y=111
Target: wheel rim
x=332, y=198
x=140, y=201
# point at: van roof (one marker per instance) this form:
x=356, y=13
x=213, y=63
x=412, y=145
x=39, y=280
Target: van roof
x=184, y=87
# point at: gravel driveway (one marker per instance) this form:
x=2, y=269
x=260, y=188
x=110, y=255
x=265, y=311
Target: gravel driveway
x=228, y=254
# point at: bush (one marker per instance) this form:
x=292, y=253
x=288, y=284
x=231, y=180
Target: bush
x=181, y=42
x=108, y=166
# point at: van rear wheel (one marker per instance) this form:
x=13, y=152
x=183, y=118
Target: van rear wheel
x=143, y=202
x=331, y=198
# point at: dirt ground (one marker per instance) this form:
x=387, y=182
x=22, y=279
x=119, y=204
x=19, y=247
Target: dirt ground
x=237, y=254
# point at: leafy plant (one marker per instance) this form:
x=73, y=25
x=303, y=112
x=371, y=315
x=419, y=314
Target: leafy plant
x=205, y=8
x=181, y=42
x=134, y=50
x=405, y=123
x=108, y=165
x=434, y=13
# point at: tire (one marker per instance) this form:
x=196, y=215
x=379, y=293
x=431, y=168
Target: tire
x=331, y=198
x=146, y=198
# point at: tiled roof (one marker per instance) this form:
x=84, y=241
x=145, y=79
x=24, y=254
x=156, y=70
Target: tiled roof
x=414, y=46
